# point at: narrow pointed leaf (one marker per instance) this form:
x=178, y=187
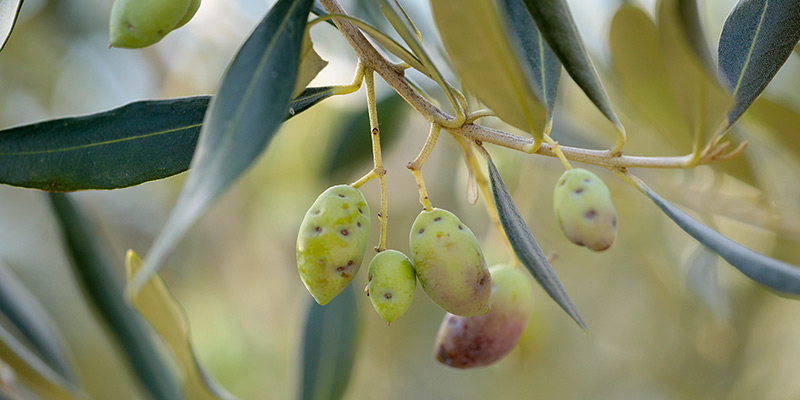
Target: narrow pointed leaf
x=555, y=22
x=757, y=38
x=29, y=317
x=126, y=146
x=775, y=274
x=94, y=271
x=241, y=120
x=9, y=10
x=34, y=372
x=693, y=31
x=542, y=65
x=158, y=305
x=473, y=36
x=329, y=346
x=643, y=76
x=526, y=247
x=135, y=143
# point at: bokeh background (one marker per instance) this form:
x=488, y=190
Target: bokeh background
x=665, y=321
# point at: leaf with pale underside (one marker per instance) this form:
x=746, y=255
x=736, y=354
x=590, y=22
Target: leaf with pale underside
x=526, y=247
x=756, y=40
x=475, y=40
x=536, y=56
x=774, y=274
x=240, y=122
x=156, y=303
x=310, y=65
x=555, y=22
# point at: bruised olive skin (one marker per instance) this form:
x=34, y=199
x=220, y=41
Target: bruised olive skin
x=332, y=241
x=468, y=342
x=449, y=263
x=584, y=210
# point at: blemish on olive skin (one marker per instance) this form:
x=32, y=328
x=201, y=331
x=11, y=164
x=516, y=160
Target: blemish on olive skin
x=437, y=219
x=345, y=275
x=318, y=212
x=614, y=222
x=563, y=181
x=350, y=262
x=360, y=211
x=358, y=224
x=387, y=295
x=586, y=180
x=341, y=195
x=344, y=232
x=422, y=230
x=590, y=214
x=461, y=228
x=579, y=191
x=318, y=229
x=340, y=269
x=345, y=206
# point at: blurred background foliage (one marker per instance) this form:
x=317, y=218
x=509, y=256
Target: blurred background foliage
x=666, y=321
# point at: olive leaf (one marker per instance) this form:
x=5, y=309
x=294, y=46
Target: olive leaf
x=775, y=274
x=9, y=11
x=526, y=247
x=126, y=146
x=20, y=307
x=94, y=271
x=329, y=346
x=555, y=22
x=757, y=38
x=33, y=372
x=473, y=36
x=310, y=65
x=158, y=305
x=542, y=65
x=241, y=120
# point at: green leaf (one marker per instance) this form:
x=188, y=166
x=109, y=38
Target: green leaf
x=702, y=100
x=526, y=247
x=135, y=143
x=24, y=311
x=475, y=40
x=778, y=275
x=351, y=143
x=643, y=76
x=555, y=22
x=126, y=146
x=689, y=18
x=310, y=65
x=329, y=347
x=542, y=65
x=757, y=38
x=94, y=270
x=9, y=10
x=158, y=305
x=241, y=120
x=34, y=372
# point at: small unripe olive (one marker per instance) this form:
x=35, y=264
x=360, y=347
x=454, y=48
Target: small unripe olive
x=584, y=209
x=392, y=283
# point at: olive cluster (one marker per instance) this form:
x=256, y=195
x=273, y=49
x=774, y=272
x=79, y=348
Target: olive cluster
x=487, y=308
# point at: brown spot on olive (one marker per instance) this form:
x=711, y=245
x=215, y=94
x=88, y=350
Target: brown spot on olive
x=586, y=180
x=345, y=275
x=344, y=232
x=358, y=224
x=340, y=269
x=590, y=214
x=422, y=230
x=387, y=295
x=345, y=206
x=350, y=262
x=360, y=211
x=461, y=228
x=318, y=229
x=317, y=212
x=437, y=219
x=562, y=182
x=438, y=234
x=614, y=222
x=341, y=195
x=578, y=190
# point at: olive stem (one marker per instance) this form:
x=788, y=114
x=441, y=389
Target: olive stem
x=416, y=165
x=612, y=158
x=557, y=150
x=372, y=108
x=483, y=184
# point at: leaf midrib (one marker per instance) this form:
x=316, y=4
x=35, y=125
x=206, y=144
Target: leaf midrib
x=750, y=51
